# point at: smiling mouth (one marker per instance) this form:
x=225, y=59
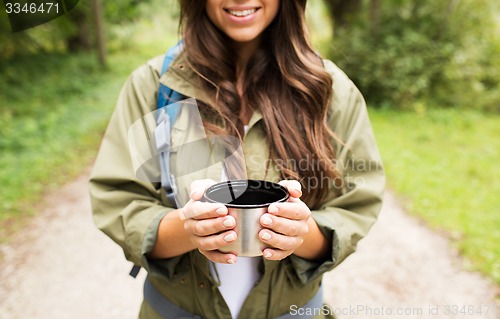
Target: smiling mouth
x=241, y=13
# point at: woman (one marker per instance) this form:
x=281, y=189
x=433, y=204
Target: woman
x=300, y=120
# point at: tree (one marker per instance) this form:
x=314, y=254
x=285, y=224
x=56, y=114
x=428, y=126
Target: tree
x=99, y=30
x=73, y=32
x=405, y=51
x=341, y=10
x=78, y=35
x=375, y=15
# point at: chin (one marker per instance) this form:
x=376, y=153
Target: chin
x=241, y=37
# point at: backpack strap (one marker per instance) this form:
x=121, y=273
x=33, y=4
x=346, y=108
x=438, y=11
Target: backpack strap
x=168, y=110
x=166, y=95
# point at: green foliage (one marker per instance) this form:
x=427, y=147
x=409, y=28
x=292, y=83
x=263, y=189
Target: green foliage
x=118, y=12
x=54, y=108
x=424, y=50
x=48, y=37
x=154, y=29
x=29, y=81
x=444, y=162
x=58, y=35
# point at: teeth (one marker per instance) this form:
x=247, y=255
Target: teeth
x=243, y=13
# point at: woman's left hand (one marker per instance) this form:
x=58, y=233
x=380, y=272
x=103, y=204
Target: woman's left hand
x=285, y=224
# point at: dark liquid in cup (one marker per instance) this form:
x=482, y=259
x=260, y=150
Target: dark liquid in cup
x=246, y=193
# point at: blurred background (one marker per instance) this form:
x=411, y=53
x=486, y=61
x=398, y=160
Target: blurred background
x=429, y=70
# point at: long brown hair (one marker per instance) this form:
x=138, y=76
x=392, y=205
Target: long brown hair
x=284, y=79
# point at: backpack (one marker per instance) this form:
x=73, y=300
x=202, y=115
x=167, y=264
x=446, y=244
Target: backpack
x=168, y=110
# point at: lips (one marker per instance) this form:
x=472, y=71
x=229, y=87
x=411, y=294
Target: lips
x=241, y=13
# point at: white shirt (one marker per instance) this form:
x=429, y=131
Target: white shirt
x=237, y=279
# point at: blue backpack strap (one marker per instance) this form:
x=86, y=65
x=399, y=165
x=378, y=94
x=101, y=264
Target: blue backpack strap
x=166, y=99
x=168, y=112
x=166, y=95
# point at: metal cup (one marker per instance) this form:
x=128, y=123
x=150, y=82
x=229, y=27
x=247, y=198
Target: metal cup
x=246, y=200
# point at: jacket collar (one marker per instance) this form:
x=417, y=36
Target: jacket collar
x=181, y=77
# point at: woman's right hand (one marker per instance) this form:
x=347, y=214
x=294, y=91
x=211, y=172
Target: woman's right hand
x=208, y=225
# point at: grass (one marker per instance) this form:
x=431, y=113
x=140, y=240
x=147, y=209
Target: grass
x=51, y=120
x=444, y=163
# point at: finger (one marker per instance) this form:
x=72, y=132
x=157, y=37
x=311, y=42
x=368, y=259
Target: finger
x=276, y=254
x=293, y=187
x=290, y=210
x=218, y=257
x=198, y=188
x=215, y=241
x=202, y=210
x=280, y=241
x=283, y=225
x=207, y=227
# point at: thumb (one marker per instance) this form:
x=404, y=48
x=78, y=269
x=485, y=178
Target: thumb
x=199, y=187
x=293, y=186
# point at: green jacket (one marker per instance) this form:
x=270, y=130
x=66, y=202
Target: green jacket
x=128, y=209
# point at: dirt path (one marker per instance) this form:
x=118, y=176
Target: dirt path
x=63, y=268
x=404, y=270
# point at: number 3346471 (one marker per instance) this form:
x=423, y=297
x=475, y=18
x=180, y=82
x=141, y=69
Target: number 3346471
x=26, y=8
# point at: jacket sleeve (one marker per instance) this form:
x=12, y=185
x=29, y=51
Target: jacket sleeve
x=126, y=208
x=347, y=216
